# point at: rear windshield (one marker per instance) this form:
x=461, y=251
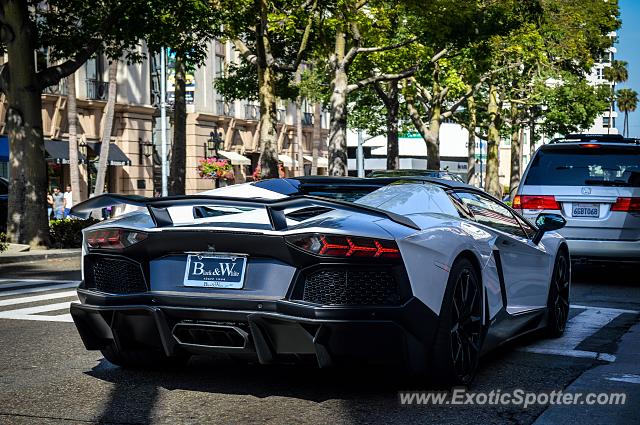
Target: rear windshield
x=576, y=166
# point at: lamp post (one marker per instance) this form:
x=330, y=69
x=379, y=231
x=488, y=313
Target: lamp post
x=163, y=121
x=213, y=144
x=145, y=149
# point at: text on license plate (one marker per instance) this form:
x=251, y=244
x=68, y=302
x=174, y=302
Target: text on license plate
x=224, y=271
x=585, y=210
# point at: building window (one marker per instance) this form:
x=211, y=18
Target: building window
x=605, y=122
x=600, y=73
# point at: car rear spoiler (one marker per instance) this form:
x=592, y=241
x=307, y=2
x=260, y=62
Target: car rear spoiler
x=158, y=207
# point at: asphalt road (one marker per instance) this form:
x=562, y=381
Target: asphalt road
x=47, y=377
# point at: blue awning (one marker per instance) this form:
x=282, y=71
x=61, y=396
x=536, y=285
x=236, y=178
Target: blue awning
x=4, y=149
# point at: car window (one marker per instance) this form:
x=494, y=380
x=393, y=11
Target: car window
x=490, y=213
x=579, y=166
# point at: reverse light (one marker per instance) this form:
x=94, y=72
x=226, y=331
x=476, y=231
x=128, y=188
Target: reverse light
x=626, y=205
x=535, y=202
x=113, y=238
x=345, y=246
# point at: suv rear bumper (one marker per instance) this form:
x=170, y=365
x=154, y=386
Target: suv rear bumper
x=610, y=250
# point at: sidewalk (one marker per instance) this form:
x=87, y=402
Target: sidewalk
x=620, y=376
x=15, y=256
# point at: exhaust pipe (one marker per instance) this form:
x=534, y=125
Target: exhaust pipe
x=211, y=336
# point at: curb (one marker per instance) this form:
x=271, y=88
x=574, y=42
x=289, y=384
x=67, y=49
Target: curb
x=31, y=256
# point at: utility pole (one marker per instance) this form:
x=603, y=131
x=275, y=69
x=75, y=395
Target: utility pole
x=163, y=120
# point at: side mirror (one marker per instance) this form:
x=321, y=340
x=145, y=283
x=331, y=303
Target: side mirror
x=546, y=222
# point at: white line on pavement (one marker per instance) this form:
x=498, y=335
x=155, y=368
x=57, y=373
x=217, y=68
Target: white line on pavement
x=29, y=313
x=44, y=297
x=627, y=377
x=16, y=283
x=571, y=353
x=579, y=328
x=38, y=289
x=613, y=310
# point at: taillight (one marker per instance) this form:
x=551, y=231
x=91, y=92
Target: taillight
x=345, y=246
x=626, y=205
x=113, y=238
x=589, y=145
x=535, y=202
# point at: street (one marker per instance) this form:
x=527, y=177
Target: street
x=47, y=377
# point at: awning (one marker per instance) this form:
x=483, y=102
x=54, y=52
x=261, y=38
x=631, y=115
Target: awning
x=322, y=161
x=235, y=158
x=287, y=161
x=58, y=152
x=4, y=149
x=116, y=156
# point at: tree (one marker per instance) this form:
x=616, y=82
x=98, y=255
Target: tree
x=272, y=39
x=71, y=31
x=72, y=120
x=616, y=73
x=627, y=102
x=107, y=127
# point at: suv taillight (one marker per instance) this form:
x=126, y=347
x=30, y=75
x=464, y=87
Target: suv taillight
x=345, y=246
x=626, y=205
x=113, y=238
x=535, y=202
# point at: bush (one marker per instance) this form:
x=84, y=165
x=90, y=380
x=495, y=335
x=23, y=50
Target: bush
x=4, y=242
x=68, y=233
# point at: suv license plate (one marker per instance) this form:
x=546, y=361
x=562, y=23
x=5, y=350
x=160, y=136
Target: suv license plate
x=224, y=271
x=585, y=210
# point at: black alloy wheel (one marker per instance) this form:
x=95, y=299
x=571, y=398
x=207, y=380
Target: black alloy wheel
x=558, y=303
x=456, y=351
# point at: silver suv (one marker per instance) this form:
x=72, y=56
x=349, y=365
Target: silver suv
x=594, y=182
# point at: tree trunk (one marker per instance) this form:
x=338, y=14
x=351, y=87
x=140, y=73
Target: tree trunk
x=421, y=126
x=532, y=136
x=433, y=144
x=27, y=210
x=108, y=126
x=393, y=107
x=317, y=133
x=178, y=164
x=72, y=119
x=492, y=180
x=267, y=96
x=338, y=128
x=471, y=141
x=516, y=152
x=299, y=145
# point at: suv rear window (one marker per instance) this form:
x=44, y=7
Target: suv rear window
x=577, y=166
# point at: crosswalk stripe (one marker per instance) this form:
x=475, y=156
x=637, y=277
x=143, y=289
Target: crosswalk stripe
x=31, y=299
x=29, y=313
x=18, y=283
x=38, y=289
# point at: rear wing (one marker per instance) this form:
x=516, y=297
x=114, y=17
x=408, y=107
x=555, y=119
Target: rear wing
x=158, y=207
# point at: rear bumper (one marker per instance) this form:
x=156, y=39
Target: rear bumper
x=606, y=250
x=271, y=331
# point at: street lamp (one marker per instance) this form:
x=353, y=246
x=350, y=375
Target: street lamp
x=145, y=148
x=213, y=143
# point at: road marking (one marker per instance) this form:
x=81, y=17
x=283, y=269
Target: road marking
x=31, y=299
x=38, y=289
x=609, y=309
x=15, y=283
x=29, y=313
x=579, y=327
x=627, y=377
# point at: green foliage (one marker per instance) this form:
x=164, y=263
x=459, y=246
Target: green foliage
x=627, y=100
x=4, y=242
x=68, y=233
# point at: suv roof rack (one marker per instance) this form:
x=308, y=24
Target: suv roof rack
x=598, y=138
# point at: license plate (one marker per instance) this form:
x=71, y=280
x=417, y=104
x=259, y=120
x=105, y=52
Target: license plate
x=585, y=210
x=223, y=271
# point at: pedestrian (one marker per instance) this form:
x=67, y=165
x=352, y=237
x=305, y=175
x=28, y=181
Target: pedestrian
x=68, y=202
x=49, y=205
x=58, y=204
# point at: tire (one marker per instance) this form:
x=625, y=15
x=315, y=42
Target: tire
x=558, y=300
x=142, y=359
x=456, y=350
